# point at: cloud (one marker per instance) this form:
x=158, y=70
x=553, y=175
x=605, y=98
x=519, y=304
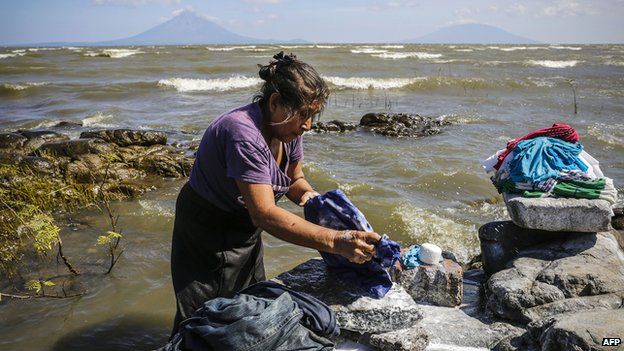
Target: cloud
x=516, y=9
x=191, y=9
x=134, y=3
x=567, y=9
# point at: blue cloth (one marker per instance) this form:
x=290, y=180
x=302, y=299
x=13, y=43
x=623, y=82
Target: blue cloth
x=411, y=260
x=334, y=210
x=536, y=160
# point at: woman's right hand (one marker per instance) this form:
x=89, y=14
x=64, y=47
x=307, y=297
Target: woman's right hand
x=356, y=246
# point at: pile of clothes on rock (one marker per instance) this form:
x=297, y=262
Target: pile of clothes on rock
x=264, y=316
x=549, y=162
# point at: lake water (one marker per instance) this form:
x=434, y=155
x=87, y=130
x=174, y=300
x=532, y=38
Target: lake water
x=415, y=190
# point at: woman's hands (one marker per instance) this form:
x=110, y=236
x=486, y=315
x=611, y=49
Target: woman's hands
x=310, y=194
x=356, y=246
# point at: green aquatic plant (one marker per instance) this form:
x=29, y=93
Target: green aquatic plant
x=38, y=286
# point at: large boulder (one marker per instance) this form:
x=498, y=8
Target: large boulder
x=74, y=149
x=577, y=266
x=127, y=137
x=440, y=284
x=560, y=214
x=12, y=141
x=37, y=137
x=333, y=126
x=163, y=160
x=502, y=241
x=409, y=339
x=353, y=312
x=402, y=124
x=579, y=331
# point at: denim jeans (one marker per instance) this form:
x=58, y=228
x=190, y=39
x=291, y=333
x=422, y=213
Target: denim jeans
x=247, y=323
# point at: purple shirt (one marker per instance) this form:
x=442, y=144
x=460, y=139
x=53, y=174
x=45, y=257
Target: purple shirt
x=233, y=148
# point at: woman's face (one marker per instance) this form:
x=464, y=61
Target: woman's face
x=300, y=122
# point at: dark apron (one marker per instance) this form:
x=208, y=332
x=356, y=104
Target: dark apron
x=213, y=253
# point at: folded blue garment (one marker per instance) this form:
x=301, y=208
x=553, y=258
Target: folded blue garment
x=334, y=210
x=536, y=160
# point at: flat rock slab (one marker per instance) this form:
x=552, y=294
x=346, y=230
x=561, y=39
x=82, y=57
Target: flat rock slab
x=396, y=310
x=440, y=284
x=411, y=339
x=127, y=137
x=560, y=214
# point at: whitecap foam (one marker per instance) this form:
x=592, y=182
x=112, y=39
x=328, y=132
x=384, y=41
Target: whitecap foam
x=325, y=46
x=612, y=134
x=464, y=50
x=114, y=53
x=370, y=83
x=156, y=208
x=3, y=56
x=22, y=86
x=230, y=48
x=392, y=46
x=96, y=119
x=559, y=47
x=368, y=51
x=425, y=226
x=216, y=84
x=553, y=64
x=514, y=48
x=402, y=55
x=42, y=49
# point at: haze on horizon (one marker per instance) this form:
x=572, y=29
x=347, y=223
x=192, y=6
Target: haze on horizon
x=560, y=21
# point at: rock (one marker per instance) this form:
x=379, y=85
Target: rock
x=579, y=265
x=501, y=242
x=560, y=214
x=402, y=124
x=440, y=284
x=411, y=339
x=611, y=301
x=579, y=331
x=466, y=326
x=76, y=148
x=333, y=126
x=354, y=312
x=163, y=160
x=38, y=137
x=40, y=165
x=68, y=125
x=617, y=221
x=127, y=137
x=12, y=141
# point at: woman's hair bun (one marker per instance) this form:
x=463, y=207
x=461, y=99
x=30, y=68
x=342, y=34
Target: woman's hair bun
x=280, y=59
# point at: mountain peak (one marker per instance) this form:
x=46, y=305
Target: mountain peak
x=472, y=33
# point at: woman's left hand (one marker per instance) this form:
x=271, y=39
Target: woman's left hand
x=307, y=196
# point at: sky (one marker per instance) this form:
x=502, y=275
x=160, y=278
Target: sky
x=559, y=21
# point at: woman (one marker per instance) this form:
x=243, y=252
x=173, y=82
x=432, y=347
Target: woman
x=247, y=159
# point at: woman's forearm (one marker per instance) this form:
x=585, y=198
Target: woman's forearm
x=294, y=229
x=297, y=189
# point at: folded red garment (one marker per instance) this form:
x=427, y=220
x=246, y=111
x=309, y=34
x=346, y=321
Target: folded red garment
x=558, y=130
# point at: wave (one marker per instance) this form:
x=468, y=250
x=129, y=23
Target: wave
x=558, y=47
x=325, y=46
x=229, y=48
x=552, y=64
x=14, y=54
x=217, y=84
x=42, y=49
x=370, y=83
x=425, y=226
x=402, y=55
x=96, y=119
x=22, y=86
x=114, y=53
x=464, y=50
x=612, y=134
x=368, y=51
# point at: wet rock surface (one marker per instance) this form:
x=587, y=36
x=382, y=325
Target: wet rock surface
x=402, y=124
x=561, y=214
x=440, y=284
x=353, y=311
x=127, y=137
x=333, y=126
x=125, y=156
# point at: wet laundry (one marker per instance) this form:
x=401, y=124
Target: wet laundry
x=317, y=316
x=247, y=323
x=334, y=210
